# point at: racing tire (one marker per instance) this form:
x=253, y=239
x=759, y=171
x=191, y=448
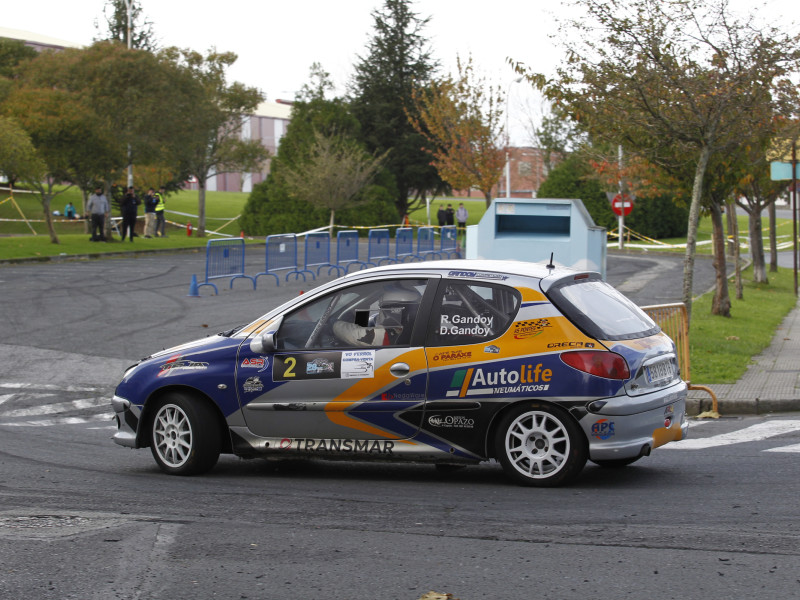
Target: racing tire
x=616, y=463
x=184, y=435
x=540, y=445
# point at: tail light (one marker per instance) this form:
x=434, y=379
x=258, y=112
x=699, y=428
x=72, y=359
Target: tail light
x=601, y=364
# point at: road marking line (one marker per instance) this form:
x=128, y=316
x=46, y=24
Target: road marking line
x=793, y=448
x=754, y=433
x=59, y=421
x=50, y=386
x=50, y=409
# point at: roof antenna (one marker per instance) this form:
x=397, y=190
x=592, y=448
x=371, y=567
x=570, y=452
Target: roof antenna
x=550, y=265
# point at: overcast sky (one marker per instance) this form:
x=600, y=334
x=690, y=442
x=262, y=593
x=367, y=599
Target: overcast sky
x=277, y=41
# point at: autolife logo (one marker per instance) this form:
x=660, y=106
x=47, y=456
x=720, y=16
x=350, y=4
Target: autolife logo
x=478, y=381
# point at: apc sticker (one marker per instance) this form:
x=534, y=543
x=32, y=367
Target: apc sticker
x=603, y=429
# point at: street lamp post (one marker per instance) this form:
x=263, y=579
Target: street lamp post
x=508, y=138
x=129, y=6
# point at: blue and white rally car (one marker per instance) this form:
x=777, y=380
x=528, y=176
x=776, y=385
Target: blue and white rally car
x=450, y=362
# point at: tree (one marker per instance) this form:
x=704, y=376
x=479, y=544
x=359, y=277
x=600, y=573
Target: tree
x=57, y=123
x=462, y=120
x=672, y=81
x=273, y=208
x=335, y=170
x=118, y=26
x=215, y=142
x=18, y=157
x=397, y=62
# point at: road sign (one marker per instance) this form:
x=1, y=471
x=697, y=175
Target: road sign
x=622, y=205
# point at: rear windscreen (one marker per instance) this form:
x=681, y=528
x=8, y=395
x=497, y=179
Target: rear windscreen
x=599, y=310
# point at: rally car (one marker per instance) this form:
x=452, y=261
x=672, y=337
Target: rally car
x=452, y=362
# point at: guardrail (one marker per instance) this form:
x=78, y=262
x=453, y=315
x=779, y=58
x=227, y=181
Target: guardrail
x=674, y=321
x=225, y=258
x=281, y=255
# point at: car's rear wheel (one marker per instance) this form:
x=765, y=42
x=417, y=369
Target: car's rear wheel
x=185, y=437
x=540, y=445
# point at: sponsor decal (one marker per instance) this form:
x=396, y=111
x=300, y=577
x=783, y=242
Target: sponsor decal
x=256, y=362
x=451, y=421
x=571, y=345
x=491, y=349
x=314, y=445
x=527, y=329
x=476, y=275
x=358, y=364
x=452, y=355
x=253, y=384
x=459, y=325
x=603, y=429
x=402, y=396
x=293, y=367
x=177, y=363
x=319, y=366
x=477, y=381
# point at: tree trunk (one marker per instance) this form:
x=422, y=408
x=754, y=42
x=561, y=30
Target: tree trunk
x=47, y=200
x=721, y=304
x=330, y=225
x=773, y=239
x=691, y=234
x=737, y=256
x=757, y=246
x=201, y=207
x=488, y=196
x=730, y=215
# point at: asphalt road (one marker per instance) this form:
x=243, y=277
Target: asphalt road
x=83, y=518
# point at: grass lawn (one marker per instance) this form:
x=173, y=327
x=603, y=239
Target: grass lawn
x=720, y=348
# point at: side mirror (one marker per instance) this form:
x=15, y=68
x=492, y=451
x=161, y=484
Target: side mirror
x=265, y=341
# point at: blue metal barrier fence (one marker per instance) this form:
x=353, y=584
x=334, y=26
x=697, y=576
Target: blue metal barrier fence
x=225, y=258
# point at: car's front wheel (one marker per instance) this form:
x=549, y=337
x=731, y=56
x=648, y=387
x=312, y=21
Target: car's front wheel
x=540, y=445
x=184, y=436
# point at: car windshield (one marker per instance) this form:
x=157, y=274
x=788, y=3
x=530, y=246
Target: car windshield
x=601, y=311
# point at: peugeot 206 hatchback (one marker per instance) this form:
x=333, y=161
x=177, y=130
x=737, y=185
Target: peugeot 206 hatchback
x=450, y=362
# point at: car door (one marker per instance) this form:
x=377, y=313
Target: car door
x=349, y=365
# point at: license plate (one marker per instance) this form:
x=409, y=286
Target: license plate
x=660, y=371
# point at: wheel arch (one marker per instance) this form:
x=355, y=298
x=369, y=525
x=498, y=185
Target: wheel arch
x=148, y=411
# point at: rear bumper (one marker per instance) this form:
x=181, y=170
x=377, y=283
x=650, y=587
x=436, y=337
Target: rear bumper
x=632, y=435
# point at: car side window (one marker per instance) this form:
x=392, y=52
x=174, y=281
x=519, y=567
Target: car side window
x=470, y=313
x=373, y=314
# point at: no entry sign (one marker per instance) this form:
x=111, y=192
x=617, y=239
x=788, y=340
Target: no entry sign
x=622, y=205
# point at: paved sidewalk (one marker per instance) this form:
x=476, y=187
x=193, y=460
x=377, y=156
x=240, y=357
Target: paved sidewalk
x=770, y=384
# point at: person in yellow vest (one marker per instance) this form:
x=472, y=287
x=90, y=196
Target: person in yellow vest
x=160, y=205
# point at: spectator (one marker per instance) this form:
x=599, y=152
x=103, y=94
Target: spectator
x=160, y=205
x=129, y=207
x=449, y=215
x=150, y=202
x=97, y=207
x=461, y=216
x=69, y=210
x=441, y=215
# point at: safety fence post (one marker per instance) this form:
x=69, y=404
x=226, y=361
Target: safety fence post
x=425, y=241
x=281, y=255
x=318, y=253
x=347, y=249
x=378, y=248
x=404, y=244
x=449, y=242
x=225, y=258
